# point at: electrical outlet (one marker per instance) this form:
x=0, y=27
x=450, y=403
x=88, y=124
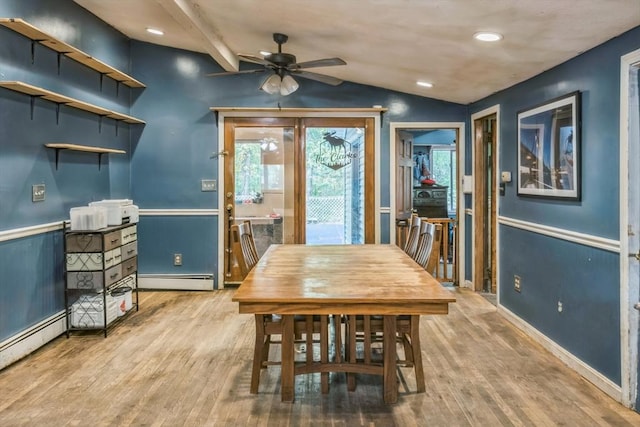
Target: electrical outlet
x=177, y=259
x=559, y=306
x=208, y=185
x=516, y=283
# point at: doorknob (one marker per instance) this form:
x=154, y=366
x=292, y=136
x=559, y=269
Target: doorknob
x=636, y=256
x=636, y=306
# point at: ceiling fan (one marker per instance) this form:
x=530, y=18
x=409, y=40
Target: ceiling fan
x=284, y=66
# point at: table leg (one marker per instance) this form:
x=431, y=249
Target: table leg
x=390, y=384
x=287, y=371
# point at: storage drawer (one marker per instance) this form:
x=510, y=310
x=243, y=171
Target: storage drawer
x=113, y=274
x=112, y=240
x=84, y=280
x=84, y=262
x=129, y=234
x=112, y=257
x=129, y=250
x=85, y=242
x=129, y=266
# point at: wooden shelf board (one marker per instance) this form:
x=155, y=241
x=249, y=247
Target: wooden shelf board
x=20, y=26
x=87, y=148
x=71, y=102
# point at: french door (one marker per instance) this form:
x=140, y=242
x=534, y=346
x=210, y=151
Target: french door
x=298, y=180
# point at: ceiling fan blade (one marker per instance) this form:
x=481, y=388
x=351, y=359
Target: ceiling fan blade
x=326, y=62
x=333, y=81
x=230, y=73
x=256, y=60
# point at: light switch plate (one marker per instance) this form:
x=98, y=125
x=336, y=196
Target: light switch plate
x=37, y=192
x=208, y=184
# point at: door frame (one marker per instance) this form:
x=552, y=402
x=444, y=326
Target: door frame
x=223, y=112
x=495, y=109
x=629, y=292
x=459, y=127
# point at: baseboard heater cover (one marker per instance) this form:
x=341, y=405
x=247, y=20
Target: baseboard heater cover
x=185, y=282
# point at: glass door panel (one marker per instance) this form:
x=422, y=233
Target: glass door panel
x=335, y=185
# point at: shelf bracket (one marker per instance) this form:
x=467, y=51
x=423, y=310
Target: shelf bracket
x=117, y=88
x=33, y=103
x=117, y=123
x=33, y=51
x=57, y=156
x=101, y=80
x=100, y=124
x=99, y=160
x=57, y=113
x=59, y=55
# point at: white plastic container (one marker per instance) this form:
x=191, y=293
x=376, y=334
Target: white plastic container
x=88, y=218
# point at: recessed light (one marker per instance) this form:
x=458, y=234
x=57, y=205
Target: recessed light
x=487, y=36
x=155, y=31
x=424, y=84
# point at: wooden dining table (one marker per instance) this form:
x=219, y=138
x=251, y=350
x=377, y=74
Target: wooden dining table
x=371, y=279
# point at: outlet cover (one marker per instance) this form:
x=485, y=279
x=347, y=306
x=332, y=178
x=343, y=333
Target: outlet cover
x=177, y=259
x=208, y=185
x=37, y=192
x=516, y=283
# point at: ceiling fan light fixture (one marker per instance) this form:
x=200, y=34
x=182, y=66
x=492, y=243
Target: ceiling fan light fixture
x=265, y=53
x=487, y=36
x=288, y=86
x=272, y=84
x=424, y=84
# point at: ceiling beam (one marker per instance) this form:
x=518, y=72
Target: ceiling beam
x=191, y=20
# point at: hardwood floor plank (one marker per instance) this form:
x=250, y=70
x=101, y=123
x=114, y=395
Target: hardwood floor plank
x=185, y=360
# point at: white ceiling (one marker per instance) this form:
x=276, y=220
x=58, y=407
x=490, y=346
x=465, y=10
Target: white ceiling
x=386, y=43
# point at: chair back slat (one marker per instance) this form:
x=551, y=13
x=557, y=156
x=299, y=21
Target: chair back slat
x=425, y=243
x=434, y=257
x=244, y=246
x=412, y=239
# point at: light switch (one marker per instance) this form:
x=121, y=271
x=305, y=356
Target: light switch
x=208, y=185
x=37, y=192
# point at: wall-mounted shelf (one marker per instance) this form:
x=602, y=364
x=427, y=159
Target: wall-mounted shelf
x=38, y=92
x=36, y=35
x=86, y=148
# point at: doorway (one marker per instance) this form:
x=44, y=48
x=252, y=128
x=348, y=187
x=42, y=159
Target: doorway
x=630, y=227
x=298, y=180
x=425, y=160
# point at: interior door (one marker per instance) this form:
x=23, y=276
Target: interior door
x=404, y=175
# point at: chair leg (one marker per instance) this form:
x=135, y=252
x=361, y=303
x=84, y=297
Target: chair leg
x=351, y=350
x=324, y=352
x=417, y=353
x=258, y=353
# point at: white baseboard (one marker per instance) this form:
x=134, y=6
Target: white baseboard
x=590, y=374
x=29, y=340
x=176, y=282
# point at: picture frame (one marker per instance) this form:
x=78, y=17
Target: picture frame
x=549, y=149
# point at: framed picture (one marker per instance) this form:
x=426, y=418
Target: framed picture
x=549, y=149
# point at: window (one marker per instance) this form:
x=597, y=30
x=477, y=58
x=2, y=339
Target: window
x=443, y=171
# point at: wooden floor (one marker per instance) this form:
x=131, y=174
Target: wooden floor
x=185, y=359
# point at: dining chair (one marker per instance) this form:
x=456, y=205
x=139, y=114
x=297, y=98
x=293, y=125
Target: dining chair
x=425, y=242
x=412, y=238
x=269, y=326
x=434, y=258
x=369, y=329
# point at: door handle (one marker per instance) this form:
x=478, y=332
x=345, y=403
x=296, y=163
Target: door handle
x=636, y=256
x=636, y=306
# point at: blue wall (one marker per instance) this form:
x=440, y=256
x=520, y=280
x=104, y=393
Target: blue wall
x=31, y=273
x=173, y=151
x=584, y=279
